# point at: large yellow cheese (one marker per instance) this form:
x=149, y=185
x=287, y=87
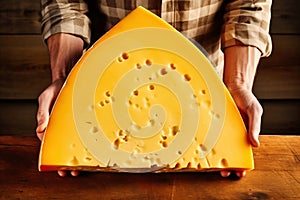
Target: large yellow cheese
x=143, y=99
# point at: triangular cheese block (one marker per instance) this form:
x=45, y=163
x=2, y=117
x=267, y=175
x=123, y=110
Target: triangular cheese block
x=143, y=99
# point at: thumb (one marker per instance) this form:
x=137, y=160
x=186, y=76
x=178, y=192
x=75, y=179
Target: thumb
x=42, y=122
x=42, y=116
x=46, y=100
x=254, y=116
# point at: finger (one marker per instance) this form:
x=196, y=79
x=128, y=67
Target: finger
x=45, y=103
x=74, y=173
x=254, y=125
x=42, y=118
x=225, y=173
x=40, y=135
x=240, y=174
x=62, y=173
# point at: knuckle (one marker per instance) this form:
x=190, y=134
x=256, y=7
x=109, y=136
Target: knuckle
x=259, y=108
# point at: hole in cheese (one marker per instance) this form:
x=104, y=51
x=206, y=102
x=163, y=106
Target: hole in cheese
x=101, y=104
x=87, y=159
x=135, y=92
x=94, y=129
x=74, y=161
x=203, y=92
x=177, y=166
x=138, y=66
x=148, y=62
x=120, y=133
x=106, y=101
x=125, y=138
x=151, y=87
x=174, y=130
x=172, y=66
x=213, y=151
x=163, y=71
x=189, y=165
x=217, y=116
x=164, y=137
x=203, y=147
x=119, y=59
x=224, y=162
x=164, y=144
x=187, y=77
x=125, y=56
x=117, y=143
x=206, y=104
x=199, y=166
x=107, y=93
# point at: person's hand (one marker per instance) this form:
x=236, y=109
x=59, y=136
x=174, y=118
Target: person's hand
x=251, y=112
x=64, y=51
x=239, y=71
x=46, y=101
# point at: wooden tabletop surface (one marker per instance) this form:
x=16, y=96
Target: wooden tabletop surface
x=276, y=176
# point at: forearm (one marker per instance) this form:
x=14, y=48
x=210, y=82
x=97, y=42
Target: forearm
x=63, y=16
x=240, y=66
x=64, y=52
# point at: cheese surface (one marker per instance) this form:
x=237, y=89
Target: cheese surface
x=144, y=99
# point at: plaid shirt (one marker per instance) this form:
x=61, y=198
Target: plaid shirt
x=215, y=24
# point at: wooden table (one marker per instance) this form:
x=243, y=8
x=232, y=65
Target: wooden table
x=277, y=176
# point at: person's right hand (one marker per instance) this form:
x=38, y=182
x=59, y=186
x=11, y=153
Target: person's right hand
x=46, y=101
x=64, y=51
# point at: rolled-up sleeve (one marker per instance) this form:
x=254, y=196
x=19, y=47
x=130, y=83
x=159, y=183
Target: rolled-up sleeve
x=247, y=22
x=63, y=16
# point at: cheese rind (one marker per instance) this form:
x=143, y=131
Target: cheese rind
x=137, y=101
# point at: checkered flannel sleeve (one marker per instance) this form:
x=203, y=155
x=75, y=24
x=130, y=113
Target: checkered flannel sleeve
x=247, y=23
x=65, y=16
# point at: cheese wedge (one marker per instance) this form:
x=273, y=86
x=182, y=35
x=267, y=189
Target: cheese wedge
x=144, y=99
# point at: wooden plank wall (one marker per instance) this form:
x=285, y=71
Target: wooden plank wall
x=24, y=69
